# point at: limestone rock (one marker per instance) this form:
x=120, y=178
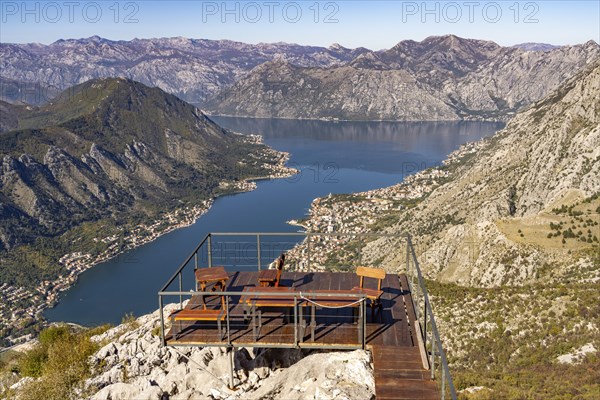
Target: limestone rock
x=133, y=364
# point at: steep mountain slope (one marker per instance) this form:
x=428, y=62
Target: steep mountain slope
x=189, y=68
x=508, y=232
x=520, y=207
x=113, y=150
x=547, y=157
x=440, y=78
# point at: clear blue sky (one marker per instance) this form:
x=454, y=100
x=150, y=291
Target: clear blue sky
x=371, y=24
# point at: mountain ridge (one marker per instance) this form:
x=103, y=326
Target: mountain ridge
x=201, y=67
x=205, y=70
x=113, y=150
x=440, y=78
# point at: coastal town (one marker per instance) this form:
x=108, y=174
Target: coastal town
x=363, y=212
x=21, y=306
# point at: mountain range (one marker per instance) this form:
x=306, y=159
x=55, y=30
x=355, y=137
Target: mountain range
x=439, y=78
x=192, y=69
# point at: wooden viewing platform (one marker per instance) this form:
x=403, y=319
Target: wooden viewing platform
x=398, y=355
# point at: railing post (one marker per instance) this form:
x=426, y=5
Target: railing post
x=433, y=346
x=425, y=318
x=361, y=317
x=443, y=383
x=308, y=252
x=162, y=321
x=411, y=274
x=195, y=269
x=227, y=315
x=364, y=343
x=295, y=321
x=417, y=296
x=425, y=325
x=209, y=250
x=407, y=255
x=360, y=252
x=258, y=250
x=180, y=290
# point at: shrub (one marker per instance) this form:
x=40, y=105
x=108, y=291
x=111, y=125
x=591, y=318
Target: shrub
x=60, y=361
x=129, y=319
x=32, y=362
x=52, y=334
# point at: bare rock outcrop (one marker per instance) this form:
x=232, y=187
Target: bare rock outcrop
x=133, y=364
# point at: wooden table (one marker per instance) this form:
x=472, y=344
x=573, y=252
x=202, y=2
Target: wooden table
x=254, y=302
x=327, y=298
x=215, y=275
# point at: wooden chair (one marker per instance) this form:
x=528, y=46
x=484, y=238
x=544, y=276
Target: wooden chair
x=374, y=295
x=272, y=277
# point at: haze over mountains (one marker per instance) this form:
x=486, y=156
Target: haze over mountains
x=440, y=78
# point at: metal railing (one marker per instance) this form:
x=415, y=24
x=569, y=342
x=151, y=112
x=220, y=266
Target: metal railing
x=300, y=299
x=253, y=254
x=438, y=362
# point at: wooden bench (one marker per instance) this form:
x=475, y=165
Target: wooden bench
x=374, y=295
x=199, y=315
x=271, y=277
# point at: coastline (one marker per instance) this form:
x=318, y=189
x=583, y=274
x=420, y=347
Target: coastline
x=47, y=294
x=333, y=119
x=353, y=212
x=188, y=217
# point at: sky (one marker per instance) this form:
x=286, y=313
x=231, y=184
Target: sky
x=371, y=24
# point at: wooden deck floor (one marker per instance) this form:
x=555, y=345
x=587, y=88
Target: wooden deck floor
x=399, y=372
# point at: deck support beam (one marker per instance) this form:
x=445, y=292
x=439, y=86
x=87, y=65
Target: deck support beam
x=231, y=367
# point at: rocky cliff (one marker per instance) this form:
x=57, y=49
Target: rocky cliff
x=440, y=78
x=133, y=364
